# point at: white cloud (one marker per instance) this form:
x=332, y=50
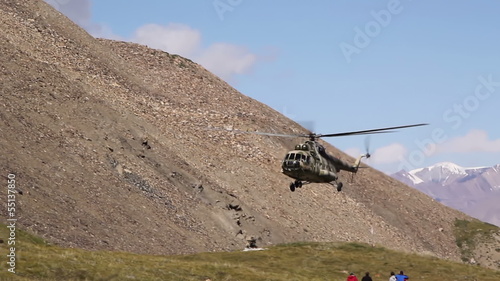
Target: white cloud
x=474, y=141
x=80, y=12
x=173, y=38
x=392, y=153
x=227, y=60
x=223, y=59
x=77, y=10
x=354, y=152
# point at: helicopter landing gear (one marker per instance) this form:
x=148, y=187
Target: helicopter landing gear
x=338, y=185
x=295, y=184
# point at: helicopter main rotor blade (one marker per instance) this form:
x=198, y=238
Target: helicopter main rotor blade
x=373, y=131
x=268, y=134
x=260, y=133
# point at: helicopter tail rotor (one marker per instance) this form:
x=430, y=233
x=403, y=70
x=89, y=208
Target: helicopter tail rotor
x=367, y=147
x=367, y=155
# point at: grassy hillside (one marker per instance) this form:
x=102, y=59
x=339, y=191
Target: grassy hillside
x=38, y=260
x=470, y=234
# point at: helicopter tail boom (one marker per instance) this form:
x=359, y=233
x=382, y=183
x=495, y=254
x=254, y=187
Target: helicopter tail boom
x=355, y=167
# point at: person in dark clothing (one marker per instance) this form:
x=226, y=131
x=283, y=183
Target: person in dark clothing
x=401, y=276
x=367, y=277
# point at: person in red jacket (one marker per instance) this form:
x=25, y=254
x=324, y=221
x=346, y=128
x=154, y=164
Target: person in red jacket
x=352, y=277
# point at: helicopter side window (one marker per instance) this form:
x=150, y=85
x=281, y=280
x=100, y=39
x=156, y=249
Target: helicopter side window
x=308, y=160
x=303, y=158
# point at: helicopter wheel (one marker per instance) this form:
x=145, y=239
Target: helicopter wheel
x=339, y=186
x=298, y=184
x=292, y=187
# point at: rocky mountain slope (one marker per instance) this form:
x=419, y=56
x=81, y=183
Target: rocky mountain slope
x=112, y=149
x=474, y=191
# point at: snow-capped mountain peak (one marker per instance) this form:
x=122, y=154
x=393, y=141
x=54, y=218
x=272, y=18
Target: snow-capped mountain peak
x=448, y=166
x=407, y=178
x=475, y=191
x=439, y=173
x=415, y=179
x=497, y=168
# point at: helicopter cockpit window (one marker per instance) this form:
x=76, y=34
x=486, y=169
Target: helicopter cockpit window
x=297, y=156
x=290, y=156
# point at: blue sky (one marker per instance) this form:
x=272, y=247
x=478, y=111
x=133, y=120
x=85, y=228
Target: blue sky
x=340, y=65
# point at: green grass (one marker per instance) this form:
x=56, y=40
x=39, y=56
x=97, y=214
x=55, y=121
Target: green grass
x=37, y=260
x=469, y=233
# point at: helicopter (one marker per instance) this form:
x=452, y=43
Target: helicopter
x=309, y=162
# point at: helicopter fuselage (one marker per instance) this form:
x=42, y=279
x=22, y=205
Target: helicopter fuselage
x=309, y=162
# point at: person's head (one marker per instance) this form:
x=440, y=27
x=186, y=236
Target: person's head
x=352, y=273
x=392, y=273
x=367, y=273
x=401, y=272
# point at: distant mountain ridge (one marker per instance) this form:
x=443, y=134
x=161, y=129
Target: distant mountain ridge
x=474, y=191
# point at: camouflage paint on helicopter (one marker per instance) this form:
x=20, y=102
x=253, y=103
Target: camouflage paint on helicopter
x=310, y=163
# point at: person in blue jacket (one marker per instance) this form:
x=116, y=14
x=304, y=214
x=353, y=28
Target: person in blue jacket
x=401, y=276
